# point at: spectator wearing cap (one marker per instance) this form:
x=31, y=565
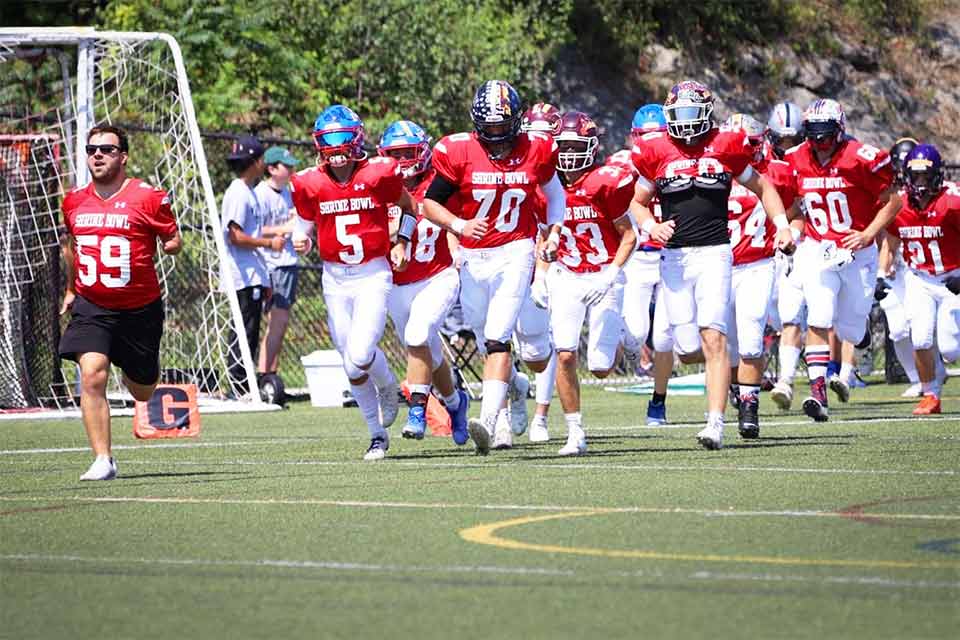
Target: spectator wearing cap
x=241, y=215
x=282, y=267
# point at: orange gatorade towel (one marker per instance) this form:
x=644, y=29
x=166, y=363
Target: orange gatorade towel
x=438, y=420
x=170, y=413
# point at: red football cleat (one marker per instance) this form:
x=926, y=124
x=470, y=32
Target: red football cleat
x=927, y=406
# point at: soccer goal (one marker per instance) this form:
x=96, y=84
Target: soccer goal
x=55, y=84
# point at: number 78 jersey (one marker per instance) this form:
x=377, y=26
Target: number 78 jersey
x=503, y=190
x=841, y=195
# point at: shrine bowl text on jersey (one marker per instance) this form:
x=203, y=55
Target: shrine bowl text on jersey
x=116, y=240
x=351, y=218
x=428, y=252
x=693, y=181
x=501, y=190
x=589, y=238
x=752, y=234
x=930, y=238
x=841, y=195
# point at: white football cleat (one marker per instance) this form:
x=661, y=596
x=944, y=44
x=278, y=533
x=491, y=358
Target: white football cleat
x=389, y=401
x=103, y=468
x=519, y=388
x=538, y=429
x=502, y=432
x=378, y=448
x=576, y=445
x=840, y=387
x=480, y=436
x=913, y=391
x=782, y=395
x=711, y=437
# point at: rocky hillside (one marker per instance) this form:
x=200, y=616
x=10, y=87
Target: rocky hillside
x=910, y=88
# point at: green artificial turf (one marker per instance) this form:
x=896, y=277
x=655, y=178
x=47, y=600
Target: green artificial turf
x=270, y=525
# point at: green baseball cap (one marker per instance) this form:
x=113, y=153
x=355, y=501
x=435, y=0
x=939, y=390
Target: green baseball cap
x=279, y=154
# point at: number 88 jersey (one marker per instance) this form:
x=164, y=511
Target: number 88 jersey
x=841, y=195
x=590, y=239
x=502, y=190
x=428, y=252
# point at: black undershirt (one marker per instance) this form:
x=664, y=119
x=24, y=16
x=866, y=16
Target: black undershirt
x=440, y=189
x=698, y=205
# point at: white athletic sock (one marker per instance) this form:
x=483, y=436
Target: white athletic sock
x=380, y=370
x=574, y=423
x=715, y=418
x=366, y=396
x=452, y=401
x=494, y=396
x=546, y=380
x=846, y=372
x=789, y=356
x=748, y=391
x=904, y=350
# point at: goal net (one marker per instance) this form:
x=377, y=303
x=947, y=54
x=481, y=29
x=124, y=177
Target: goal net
x=55, y=84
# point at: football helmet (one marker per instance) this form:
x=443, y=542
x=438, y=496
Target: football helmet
x=784, y=127
x=752, y=127
x=688, y=110
x=542, y=117
x=647, y=118
x=409, y=144
x=898, y=153
x=922, y=172
x=496, y=112
x=824, y=123
x=578, y=140
x=338, y=136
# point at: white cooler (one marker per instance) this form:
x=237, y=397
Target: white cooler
x=326, y=379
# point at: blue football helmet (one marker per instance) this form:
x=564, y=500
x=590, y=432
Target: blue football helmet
x=923, y=172
x=409, y=144
x=648, y=118
x=338, y=136
x=496, y=112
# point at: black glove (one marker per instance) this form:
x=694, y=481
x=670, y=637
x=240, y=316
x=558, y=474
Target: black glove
x=880, y=291
x=953, y=284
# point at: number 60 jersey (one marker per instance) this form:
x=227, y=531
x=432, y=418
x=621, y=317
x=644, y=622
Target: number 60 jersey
x=116, y=240
x=503, y=190
x=841, y=195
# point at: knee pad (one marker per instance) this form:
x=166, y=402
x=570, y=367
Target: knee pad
x=495, y=346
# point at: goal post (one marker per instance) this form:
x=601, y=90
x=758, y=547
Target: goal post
x=55, y=84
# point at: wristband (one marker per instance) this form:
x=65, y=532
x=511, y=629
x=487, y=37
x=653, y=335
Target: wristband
x=648, y=225
x=781, y=222
x=408, y=224
x=795, y=233
x=457, y=226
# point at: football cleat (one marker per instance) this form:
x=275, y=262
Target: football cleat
x=711, y=437
x=840, y=387
x=815, y=409
x=928, y=405
x=502, y=432
x=576, y=445
x=378, y=448
x=103, y=468
x=913, y=391
x=782, y=395
x=748, y=422
x=458, y=419
x=656, y=414
x=538, y=429
x=481, y=437
x=519, y=388
x=416, y=423
x=735, y=396
x=389, y=401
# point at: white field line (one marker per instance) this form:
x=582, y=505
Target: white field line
x=726, y=513
x=325, y=565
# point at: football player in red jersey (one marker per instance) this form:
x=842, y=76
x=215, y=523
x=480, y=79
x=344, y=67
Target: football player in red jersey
x=496, y=171
x=113, y=295
x=587, y=279
x=847, y=193
x=928, y=226
x=346, y=196
x=751, y=283
x=423, y=293
x=691, y=168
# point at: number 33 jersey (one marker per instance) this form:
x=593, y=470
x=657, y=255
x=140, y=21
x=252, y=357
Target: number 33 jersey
x=351, y=217
x=841, y=195
x=115, y=241
x=503, y=190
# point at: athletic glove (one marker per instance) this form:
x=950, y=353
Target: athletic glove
x=953, y=284
x=881, y=290
x=601, y=284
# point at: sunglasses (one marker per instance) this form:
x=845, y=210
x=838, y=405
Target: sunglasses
x=105, y=149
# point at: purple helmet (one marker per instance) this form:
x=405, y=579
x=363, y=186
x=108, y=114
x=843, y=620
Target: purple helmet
x=923, y=171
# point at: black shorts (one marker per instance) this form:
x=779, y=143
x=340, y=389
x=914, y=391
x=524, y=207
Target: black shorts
x=129, y=337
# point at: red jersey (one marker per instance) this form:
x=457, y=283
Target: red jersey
x=428, y=251
x=351, y=218
x=590, y=239
x=930, y=238
x=751, y=231
x=842, y=195
x=693, y=181
x=116, y=240
x=622, y=159
x=502, y=190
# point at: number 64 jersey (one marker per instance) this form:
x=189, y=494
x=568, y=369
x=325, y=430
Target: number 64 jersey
x=841, y=195
x=116, y=240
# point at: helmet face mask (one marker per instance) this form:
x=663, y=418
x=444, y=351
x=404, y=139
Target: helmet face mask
x=578, y=142
x=898, y=154
x=923, y=173
x=497, y=115
x=688, y=111
x=338, y=136
x=824, y=123
x=409, y=145
x=785, y=128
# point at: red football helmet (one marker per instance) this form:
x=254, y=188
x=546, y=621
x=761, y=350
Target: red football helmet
x=542, y=117
x=578, y=138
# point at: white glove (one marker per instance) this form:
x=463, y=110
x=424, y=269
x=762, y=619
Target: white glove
x=835, y=258
x=539, y=293
x=601, y=284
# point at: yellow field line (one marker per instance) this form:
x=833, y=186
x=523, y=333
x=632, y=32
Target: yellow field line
x=486, y=534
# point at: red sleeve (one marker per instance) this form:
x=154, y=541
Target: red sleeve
x=389, y=181
x=738, y=151
x=781, y=175
x=877, y=170
x=65, y=209
x=618, y=193
x=445, y=157
x=305, y=205
x=547, y=156
x=644, y=160
x=163, y=222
